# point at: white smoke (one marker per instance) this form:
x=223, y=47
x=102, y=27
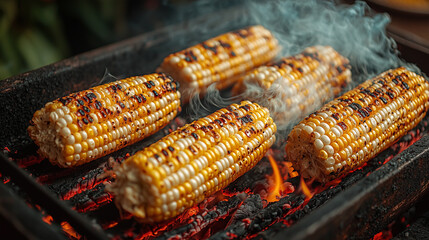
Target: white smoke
x=355, y=31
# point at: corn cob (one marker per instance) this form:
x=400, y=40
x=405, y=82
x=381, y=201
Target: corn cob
x=350, y=130
x=303, y=82
x=221, y=59
x=83, y=126
x=193, y=162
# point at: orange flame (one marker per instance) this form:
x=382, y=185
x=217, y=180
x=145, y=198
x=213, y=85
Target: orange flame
x=306, y=190
x=291, y=170
x=67, y=228
x=48, y=219
x=275, y=192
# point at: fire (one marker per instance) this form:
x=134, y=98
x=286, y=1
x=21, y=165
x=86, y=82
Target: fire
x=309, y=194
x=385, y=235
x=64, y=225
x=275, y=192
x=291, y=170
x=69, y=230
x=48, y=219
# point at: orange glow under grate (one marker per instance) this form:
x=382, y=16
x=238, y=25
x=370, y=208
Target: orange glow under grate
x=283, y=182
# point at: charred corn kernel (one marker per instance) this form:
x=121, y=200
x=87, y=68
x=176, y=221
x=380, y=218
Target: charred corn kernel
x=371, y=117
x=192, y=175
x=304, y=82
x=70, y=126
x=221, y=60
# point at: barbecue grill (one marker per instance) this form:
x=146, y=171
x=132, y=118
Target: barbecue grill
x=45, y=201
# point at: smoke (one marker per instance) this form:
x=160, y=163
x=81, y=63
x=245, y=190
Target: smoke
x=200, y=106
x=353, y=30
x=107, y=78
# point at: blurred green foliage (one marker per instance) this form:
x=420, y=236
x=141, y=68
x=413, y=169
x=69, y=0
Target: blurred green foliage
x=34, y=33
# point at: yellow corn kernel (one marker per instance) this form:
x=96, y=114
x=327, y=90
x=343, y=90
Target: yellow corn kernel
x=221, y=60
x=86, y=118
x=397, y=97
x=193, y=175
x=304, y=82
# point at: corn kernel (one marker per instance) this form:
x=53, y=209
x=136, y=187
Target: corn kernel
x=109, y=120
x=195, y=175
x=369, y=125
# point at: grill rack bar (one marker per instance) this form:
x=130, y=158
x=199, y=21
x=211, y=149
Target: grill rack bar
x=362, y=210
x=40, y=195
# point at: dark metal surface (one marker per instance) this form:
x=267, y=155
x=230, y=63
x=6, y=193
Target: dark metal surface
x=41, y=196
x=417, y=230
x=19, y=221
x=367, y=207
x=411, y=47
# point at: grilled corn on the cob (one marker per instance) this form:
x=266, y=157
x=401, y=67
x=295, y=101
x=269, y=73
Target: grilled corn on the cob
x=221, y=59
x=183, y=168
x=350, y=130
x=300, y=84
x=83, y=126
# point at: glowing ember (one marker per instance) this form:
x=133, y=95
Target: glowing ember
x=48, y=219
x=65, y=226
x=244, y=209
x=385, y=235
x=69, y=230
x=291, y=170
x=275, y=191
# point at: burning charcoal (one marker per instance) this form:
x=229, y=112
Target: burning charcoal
x=90, y=199
x=262, y=219
x=250, y=207
x=68, y=189
x=199, y=222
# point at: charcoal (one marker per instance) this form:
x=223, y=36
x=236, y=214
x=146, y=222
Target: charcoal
x=197, y=223
x=90, y=199
x=242, y=215
x=249, y=208
x=417, y=230
x=67, y=189
x=262, y=219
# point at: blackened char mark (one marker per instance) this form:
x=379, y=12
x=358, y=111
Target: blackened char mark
x=155, y=93
x=363, y=113
x=336, y=116
x=343, y=126
x=213, y=49
x=384, y=100
x=195, y=136
x=390, y=94
x=355, y=106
